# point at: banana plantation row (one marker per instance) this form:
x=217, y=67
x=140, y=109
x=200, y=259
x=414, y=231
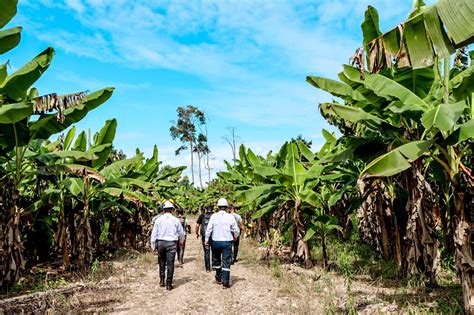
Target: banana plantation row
x=73, y=198
x=401, y=169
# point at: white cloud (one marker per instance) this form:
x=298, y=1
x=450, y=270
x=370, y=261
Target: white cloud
x=76, y=5
x=252, y=55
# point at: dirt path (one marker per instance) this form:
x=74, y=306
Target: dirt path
x=252, y=291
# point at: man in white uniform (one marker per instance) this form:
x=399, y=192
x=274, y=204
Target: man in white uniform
x=224, y=230
x=167, y=230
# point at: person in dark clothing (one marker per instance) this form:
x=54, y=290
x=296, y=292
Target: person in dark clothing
x=187, y=229
x=167, y=230
x=201, y=225
x=236, y=242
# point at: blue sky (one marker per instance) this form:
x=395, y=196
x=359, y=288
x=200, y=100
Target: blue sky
x=243, y=62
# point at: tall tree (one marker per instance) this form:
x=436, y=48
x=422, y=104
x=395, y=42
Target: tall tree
x=185, y=130
x=232, y=139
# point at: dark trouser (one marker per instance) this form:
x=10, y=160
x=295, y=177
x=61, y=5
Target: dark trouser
x=235, y=250
x=166, y=255
x=221, y=259
x=180, y=252
x=207, y=253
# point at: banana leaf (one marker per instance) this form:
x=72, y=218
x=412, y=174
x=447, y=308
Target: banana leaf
x=336, y=88
x=7, y=11
x=9, y=39
x=397, y=160
x=13, y=113
x=69, y=137
x=81, y=142
x=15, y=86
x=443, y=116
x=106, y=136
x=74, y=185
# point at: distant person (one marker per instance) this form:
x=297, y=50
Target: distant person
x=187, y=229
x=235, y=243
x=223, y=228
x=167, y=230
x=201, y=226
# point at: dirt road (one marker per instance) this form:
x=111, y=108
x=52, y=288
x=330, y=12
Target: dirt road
x=252, y=290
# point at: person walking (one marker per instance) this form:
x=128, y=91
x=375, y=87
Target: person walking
x=167, y=230
x=223, y=228
x=236, y=242
x=201, y=226
x=187, y=229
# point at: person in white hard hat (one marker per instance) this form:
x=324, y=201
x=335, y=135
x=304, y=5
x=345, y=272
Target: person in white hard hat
x=167, y=230
x=224, y=230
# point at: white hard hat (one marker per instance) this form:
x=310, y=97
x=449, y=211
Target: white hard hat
x=168, y=205
x=222, y=203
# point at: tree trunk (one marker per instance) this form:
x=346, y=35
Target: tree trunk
x=464, y=249
x=200, y=170
x=192, y=162
x=208, y=169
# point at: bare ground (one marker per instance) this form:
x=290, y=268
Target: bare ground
x=131, y=286
x=253, y=290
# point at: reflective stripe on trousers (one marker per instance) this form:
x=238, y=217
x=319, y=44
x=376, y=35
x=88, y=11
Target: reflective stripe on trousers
x=221, y=259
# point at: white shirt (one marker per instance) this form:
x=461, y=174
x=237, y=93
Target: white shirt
x=238, y=218
x=166, y=228
x=155, y=217
x=222, y=226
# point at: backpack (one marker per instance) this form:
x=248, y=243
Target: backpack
x=205, y=221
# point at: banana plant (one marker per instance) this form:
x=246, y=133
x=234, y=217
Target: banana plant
x=18, y=103
x=422, y=114
x=282, y=182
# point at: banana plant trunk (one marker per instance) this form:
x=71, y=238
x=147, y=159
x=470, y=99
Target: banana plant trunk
x=84, y=231
x=300, y=246
x=325, y=252
x=464, y=249
x=62, y=235
x=422, y=244
x=11, y=246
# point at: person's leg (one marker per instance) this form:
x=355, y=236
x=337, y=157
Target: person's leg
x=181, y=253
x=236, y=248
x=232, y=251
x=217, y=259
x=162, y=261
x=207, y=258
x=170, y=257
x=226, y=261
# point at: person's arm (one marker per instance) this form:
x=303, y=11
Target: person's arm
x=197, y=230
x=180, y=231
x=209, y=229
x=154, y=235
x=234, y=229
x=188, y=226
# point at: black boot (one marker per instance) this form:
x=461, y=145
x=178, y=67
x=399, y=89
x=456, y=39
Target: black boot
x=169, y=287
x=162, y=282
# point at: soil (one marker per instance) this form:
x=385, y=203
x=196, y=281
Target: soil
x=131, y=285
x=253, y=289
